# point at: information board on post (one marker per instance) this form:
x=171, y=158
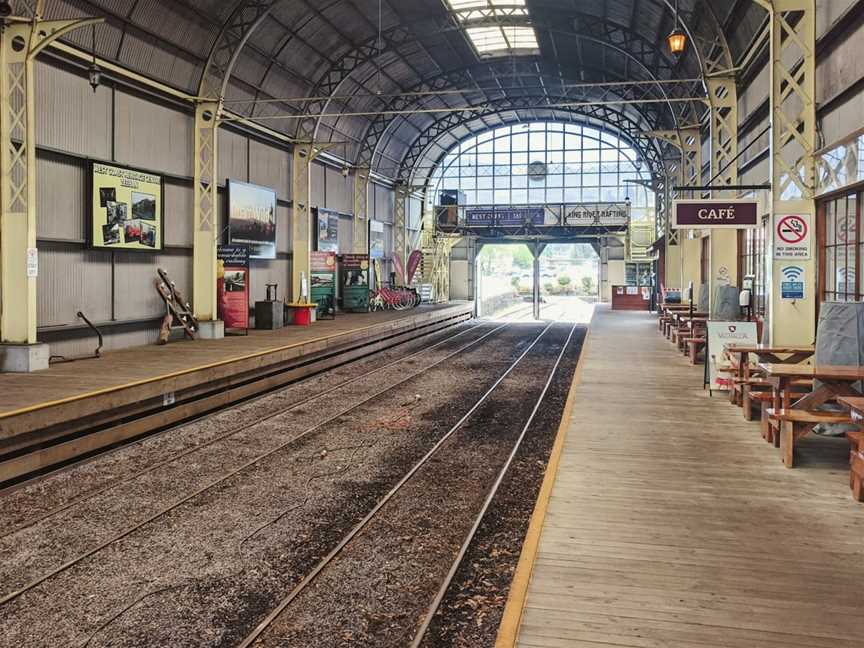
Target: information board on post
x=233, y=285
x=720, y=335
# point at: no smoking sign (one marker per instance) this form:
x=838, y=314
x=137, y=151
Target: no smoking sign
x=792, y=236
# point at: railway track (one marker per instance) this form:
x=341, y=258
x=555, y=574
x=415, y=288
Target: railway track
x=92, y=552
x=28, y=478
x=246, y=465
x=258, y=636
x=233, y=431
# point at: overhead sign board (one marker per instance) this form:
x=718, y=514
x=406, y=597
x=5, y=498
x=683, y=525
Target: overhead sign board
x=487, y=215
x=793, y=236
x=715, y=214
x=597, y=215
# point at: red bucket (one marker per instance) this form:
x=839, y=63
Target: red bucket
x=302, y=315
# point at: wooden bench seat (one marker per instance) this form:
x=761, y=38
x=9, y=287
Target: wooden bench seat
x=795, y=423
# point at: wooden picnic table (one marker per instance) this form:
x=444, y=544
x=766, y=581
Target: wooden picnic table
x=780, y=355
x=835, y=381
x=797, y=418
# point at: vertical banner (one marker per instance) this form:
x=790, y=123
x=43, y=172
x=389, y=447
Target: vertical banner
x=720, y=335
x=328, y=230
x=233, y=285
x=414, y=260
x=376, y=240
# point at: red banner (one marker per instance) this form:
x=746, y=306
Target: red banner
x=413, y=262
x=233, y=286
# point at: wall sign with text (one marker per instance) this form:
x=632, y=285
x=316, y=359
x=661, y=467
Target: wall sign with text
x=233, y=285
x=715, y=214
x=793, y=236
x=126, y=211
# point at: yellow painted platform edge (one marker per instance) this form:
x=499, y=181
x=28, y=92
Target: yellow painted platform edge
x=183, y=372
x=511, y=620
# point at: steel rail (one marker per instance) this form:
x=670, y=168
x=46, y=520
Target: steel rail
x=174, y=428
x=442, y=591
x=312, y=575
x=122, y=534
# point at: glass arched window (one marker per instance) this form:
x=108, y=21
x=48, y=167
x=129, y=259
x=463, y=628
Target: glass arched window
x=545, y=163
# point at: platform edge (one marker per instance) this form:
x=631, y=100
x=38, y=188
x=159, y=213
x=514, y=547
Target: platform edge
x=511, y=620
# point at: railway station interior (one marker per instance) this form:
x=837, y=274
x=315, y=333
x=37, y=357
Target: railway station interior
x=431, y=323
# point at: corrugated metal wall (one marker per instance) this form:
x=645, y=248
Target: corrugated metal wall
x=115, y=288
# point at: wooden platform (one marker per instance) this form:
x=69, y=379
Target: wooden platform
x=135, y=390
x=673, y=524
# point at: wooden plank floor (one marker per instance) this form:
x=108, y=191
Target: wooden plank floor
x=117, y=368
x=673, y=524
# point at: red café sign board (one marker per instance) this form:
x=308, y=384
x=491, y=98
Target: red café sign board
x=714, y=214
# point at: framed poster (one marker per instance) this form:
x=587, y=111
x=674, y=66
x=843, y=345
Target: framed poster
x=328, y=230
x=252, y=218
x=376, y=240
x=126, y=209
x=232, y=285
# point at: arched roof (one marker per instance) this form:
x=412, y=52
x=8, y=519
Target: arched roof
x=264, y=55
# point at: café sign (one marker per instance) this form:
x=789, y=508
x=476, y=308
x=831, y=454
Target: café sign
x=715, y=214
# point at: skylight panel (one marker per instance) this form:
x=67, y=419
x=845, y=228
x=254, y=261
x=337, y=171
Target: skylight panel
x=487, y=39
x=491, y=39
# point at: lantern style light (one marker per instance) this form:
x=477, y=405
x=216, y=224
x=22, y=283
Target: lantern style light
x=677, y=41
x=94, y=73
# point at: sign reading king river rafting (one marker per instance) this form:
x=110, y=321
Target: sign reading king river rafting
x=597, y=215
x=714, y=214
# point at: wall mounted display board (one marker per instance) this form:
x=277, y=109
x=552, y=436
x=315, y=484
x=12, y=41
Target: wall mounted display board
x=720, y=335
x=232, y=286
x=126, y=211
x=322, y=269
x=376, y=239
x=715, y=214
x=252, y=218
x=327, y=226
x=354, y=278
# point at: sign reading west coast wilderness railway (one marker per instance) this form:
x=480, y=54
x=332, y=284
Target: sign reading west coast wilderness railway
x=714, y=214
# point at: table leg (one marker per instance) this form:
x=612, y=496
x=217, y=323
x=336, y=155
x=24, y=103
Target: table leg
x=787, y=443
